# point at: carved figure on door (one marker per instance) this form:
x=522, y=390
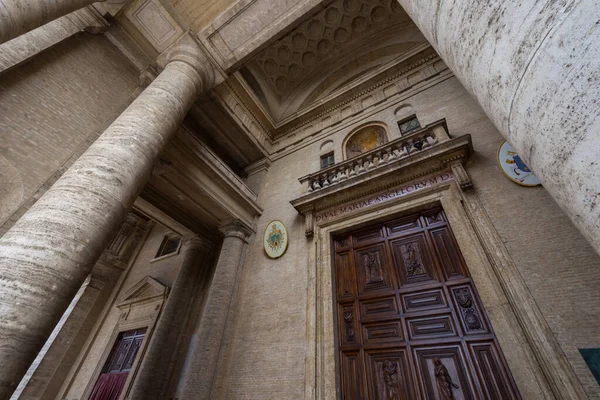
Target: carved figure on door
x=391, y=383
x=443, y=380
x=373, y=270
x=411, y=255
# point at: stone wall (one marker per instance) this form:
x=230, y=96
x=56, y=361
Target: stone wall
x=52, y=108
x=163, y=270
x=268, y=346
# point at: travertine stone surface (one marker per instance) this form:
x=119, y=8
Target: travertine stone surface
x=48, y=253
x=159, y=358
x=18, y=16
x=206, y=342
x=534, y=67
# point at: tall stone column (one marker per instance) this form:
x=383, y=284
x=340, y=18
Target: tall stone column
x=47, y=254
x=20, y=16
x=206, y=341
x=153, y=375
x=534, y=67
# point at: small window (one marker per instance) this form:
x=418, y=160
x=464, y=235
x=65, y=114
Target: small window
x=592, y=359
x=327, y=160
x=169, y=245
x=409, y=124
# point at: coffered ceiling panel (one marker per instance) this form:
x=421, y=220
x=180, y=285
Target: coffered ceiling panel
x=345, y=38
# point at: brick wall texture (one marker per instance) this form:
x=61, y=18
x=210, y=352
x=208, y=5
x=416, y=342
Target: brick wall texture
x=54, y=106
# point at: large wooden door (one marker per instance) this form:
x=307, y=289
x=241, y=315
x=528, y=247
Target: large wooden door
x=410, y=322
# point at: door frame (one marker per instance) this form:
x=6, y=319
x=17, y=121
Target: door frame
x=520, y=327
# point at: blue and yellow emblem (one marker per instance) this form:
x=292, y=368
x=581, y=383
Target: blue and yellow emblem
x=276, y=239
x=514, y=167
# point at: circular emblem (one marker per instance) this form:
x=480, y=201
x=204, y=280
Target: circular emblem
x=514, y=168
x=276, y=239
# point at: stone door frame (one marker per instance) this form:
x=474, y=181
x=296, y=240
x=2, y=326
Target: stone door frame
x=528, y=347
x=133, y=315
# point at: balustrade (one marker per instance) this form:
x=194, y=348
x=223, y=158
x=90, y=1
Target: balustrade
x=389, y=153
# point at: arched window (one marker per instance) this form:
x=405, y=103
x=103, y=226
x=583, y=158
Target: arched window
x=365, y=139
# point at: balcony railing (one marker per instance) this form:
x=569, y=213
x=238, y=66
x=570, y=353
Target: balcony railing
x=389, y=153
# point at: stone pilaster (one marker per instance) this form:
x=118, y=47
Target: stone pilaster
x=18, y=16
x=206, y=341
x=533, y=66
x=157, y=364
x=47, y=254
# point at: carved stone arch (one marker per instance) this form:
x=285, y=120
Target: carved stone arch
x=11, y=189
x=326, y=147
x=403, y=111
x=365, y=138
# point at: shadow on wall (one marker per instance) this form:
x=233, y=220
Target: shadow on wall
x=11, y=189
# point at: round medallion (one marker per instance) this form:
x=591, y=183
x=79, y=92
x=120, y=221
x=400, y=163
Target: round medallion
x=514, y=168
x=276, y=239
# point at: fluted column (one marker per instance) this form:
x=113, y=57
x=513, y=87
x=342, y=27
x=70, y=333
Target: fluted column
x=20, y=16
x=48, y=253
x=533, y=66
x=206, y=341
x=158, y=360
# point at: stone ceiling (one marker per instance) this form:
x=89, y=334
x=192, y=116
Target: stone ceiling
x=334, y=32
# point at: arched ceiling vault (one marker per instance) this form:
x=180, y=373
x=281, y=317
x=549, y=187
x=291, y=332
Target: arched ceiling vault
x=328, y=51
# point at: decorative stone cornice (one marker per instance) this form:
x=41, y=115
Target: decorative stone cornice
x=259, y=166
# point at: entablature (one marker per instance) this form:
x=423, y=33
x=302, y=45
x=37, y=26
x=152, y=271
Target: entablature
x=418, y=154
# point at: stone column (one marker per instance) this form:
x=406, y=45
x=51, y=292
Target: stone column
x=534, y=67
x=20, y=16
x=206, y=342
x=153, y=375
x=47, y=254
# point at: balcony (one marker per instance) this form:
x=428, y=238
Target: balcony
x=418, y=154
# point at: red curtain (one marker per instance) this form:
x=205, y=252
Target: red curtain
x=109, y=386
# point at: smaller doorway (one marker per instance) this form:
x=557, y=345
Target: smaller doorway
x=112, y=380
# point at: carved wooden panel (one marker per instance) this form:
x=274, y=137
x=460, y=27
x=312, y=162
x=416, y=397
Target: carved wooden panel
x=434, y=326
x=491, y=370
x=344, y=273
x=348, y=324
x=468, y=310
x=450, y=259
x=434, y=217
x=443, y=373
x=389, y=376
x=410, y=322
x=368, y=235
x=380, y=307
x=422, y=301
x=403, y=225
x=372, y=269
x=413, y=259
x=351, y=376
x=382, y=332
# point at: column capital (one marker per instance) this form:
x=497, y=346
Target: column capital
x=236, y=229
x=195, y=242
x=190, y=51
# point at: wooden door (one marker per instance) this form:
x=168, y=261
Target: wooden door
x=410, y=322
x=111, y=381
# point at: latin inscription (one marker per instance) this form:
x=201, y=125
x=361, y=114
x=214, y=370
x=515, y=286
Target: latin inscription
x=388, y=195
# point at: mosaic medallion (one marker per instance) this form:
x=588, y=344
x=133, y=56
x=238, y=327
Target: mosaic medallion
x=276, y=239
x=514, y=168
